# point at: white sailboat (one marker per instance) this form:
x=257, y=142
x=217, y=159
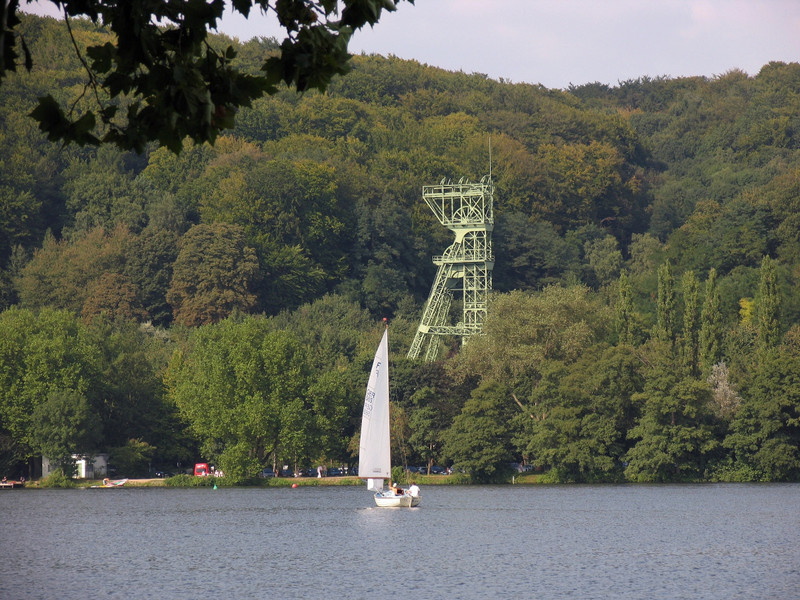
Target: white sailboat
x=374, y=456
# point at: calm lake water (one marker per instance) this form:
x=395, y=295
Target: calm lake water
x=688, y=541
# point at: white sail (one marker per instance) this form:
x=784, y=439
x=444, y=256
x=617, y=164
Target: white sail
x=374, y=456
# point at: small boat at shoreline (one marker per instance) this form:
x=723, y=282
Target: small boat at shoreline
x=110, y=483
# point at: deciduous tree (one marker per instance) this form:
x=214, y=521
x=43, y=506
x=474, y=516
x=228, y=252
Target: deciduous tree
x=765, y=432
x=580, y=415
x=524, y=329
x=242, y=387
x=674, y=438
x=536, y=255
x=65, y=423
x=214, y=274
x=113, y=295
x=604, y=258
x=63, y=273
x=480, y=438
x=42, y=353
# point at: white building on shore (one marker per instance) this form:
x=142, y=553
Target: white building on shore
x=88, y=466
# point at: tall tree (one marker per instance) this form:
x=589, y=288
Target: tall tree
x=129, y=388
x=690, y=323
x=726, y=399
x=624, y=310
x=768, y=307
x=666, y=318
x=431, y=416
x=711, y=330
x=329, y=410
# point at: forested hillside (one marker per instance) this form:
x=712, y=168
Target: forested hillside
x=224, y=302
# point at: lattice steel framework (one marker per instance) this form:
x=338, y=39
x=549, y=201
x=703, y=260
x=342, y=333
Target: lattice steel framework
x=467, y=209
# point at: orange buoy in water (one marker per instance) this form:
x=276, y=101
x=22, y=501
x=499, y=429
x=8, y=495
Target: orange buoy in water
x=294, y=485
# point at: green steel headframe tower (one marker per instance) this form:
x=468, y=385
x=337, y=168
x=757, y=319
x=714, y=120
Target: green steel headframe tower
x=466, y=265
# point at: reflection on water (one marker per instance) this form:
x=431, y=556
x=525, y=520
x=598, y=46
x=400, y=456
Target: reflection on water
x=705, y=541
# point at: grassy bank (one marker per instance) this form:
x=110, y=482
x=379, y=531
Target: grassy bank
x=191, y=481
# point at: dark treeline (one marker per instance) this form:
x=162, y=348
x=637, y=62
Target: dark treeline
x=225, y=302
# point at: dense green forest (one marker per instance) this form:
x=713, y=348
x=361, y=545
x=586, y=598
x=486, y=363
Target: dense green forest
x=224, y=303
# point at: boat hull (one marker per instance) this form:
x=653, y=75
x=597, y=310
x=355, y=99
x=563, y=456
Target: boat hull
x=404, y=501
x=110, y=484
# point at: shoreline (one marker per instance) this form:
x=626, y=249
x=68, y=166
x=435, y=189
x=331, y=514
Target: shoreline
x=151, y=482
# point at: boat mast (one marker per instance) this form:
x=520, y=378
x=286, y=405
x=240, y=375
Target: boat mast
x=386, y=326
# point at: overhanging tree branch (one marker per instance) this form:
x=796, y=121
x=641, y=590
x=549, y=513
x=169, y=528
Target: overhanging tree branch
x=171, y=82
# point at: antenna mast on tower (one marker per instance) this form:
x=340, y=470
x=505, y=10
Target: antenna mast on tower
x=467, y=209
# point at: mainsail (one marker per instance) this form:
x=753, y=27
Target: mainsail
x=374, y=456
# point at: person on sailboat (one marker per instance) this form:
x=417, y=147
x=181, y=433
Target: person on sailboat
x=398, y=491
x=414, y=490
